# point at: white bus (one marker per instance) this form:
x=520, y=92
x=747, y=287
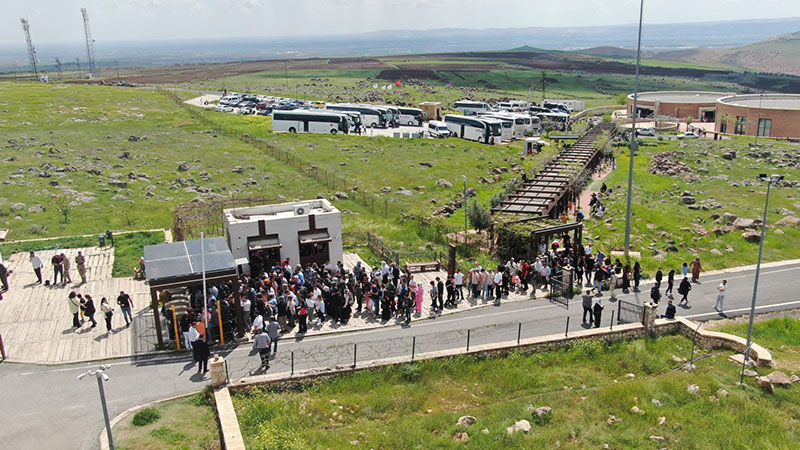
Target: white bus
x=558, y=121
x=523, y=123
x=495, y=129
x=470, y=108
x=394, y=112
x=468, y=128
x=299, y=121
x=370, y=116
x=506, y=123
x=354, y=121
x=411, y=116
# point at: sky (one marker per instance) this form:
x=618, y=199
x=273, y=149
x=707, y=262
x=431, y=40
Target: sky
x=141, y=20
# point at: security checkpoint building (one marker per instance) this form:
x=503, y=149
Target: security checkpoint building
x=304, y=232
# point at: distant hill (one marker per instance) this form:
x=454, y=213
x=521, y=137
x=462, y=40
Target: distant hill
x=778, y=54
x=615, y=52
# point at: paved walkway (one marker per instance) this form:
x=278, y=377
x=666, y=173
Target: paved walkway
x=36, y=324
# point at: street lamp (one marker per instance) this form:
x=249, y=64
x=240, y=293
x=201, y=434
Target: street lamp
x=774, y=178
x=101, y=377
x=633, y=140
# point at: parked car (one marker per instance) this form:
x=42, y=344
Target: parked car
x=264, y=112
x=646, y=132
x=246, y=110
x=438, y=129
x=688, y=135
x=223, y=108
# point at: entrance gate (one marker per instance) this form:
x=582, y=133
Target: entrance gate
x=628, y=312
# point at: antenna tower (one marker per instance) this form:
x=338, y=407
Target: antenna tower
x=58, y=67
x=31, y=50
x=89, y=43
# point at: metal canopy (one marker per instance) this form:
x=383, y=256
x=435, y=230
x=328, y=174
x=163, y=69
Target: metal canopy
x=265, y=243
x=314, y=237
x=182, y=261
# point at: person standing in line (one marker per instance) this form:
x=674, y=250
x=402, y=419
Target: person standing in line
x=125, y=303
x=246, y=306
x=659, y=277
x=587, y=306
x=670, y=283
x=185, y=325
x=274, y=331
x=637, y=276
x=440, y=293
x=202, y=351
x=722, y=288
x=685, y=269
x=684, y=289
x=434, y=293
x=74, y=308
x=262, y=344
x=57, y=268
x=107, y=311
x=66, y=265
x=655, y=294
x=458, y=277
x=498, y=285
x=80, y=263
x=302, y=319
x=37, y=264
x=4, y=276
x=598, y=311
x=696, y=268
x=89, y=310
x=612, y=283
x=194, y=336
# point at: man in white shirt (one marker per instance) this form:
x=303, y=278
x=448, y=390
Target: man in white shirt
x=498, y=284
x=246, y=305
x=588, y=249
x=722, y=288
x=36, y=262
x=458, y=277
x=193, y=336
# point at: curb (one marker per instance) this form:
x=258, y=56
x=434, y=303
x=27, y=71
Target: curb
x=103, y=438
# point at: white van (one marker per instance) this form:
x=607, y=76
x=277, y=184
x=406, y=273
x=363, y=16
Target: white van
x=437, y=129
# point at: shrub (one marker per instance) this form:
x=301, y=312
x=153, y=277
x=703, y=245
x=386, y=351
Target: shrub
x=479, y=216
x=146, y=417
x=410, y=373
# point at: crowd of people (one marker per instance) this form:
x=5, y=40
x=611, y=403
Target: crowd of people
x=83, y=309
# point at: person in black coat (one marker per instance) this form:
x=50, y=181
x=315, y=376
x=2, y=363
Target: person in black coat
x=89, y=310
x=202, y=352
x=598, y=312
x=684, y=289
x=655, y=295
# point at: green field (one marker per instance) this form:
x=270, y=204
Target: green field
x=661, y=220
x=417, y=406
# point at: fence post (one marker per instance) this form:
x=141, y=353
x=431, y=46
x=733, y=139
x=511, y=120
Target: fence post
x=373, y=204
x=355, y=350
x=386, y=207
x=292, y=373
x=468, y=332
x=612, y=319
x=2, y=347
x=519, y=332
x=413, y=347
x=566, y=331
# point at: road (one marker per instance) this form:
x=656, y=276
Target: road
x=48, y=407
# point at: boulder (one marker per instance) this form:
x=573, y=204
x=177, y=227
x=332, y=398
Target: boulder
x=752, y=236
x=789, y=221
x=688, y=200
x=765, y=384
x=426, y=164
x=461, y=436
x=744, y=224
x=237, y=169
x=722, y=392
x=750, y=373
x=636, y=410
x=693, y=389
x=522, y=425
x=183, y=167
x=779, y=378
x=17, y=206
x=731, y=155
x=719, y=231
x=716, y=252
x=795, y=379
x=699, y=230
x=386, y=189
x=444, y=183
x=657, y=438
x=465, y=421
x=542, y=412
x=728, y=217
x=405, y=192
x=612, y=420
x=341, y=196
x=37, y=209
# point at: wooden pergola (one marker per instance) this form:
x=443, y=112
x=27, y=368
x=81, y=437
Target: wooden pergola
x=179, y=265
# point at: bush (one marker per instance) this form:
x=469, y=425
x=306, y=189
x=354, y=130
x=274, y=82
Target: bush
x=410, y=373
x=479, y=216
x=146, y=417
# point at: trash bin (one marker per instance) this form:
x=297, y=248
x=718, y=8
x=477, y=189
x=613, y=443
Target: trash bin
x=102, y=239
x=110, y=237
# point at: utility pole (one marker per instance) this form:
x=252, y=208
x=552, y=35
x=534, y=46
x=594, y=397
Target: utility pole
x=90, y=55
x=101, y=376
x=58, y=67
x=544, y=86
x=78, y=62
x=31, y=50
x=633, y=140
x=117, y=71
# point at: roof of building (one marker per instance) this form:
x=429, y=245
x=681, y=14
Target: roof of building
x=680, y=96
x=279, y=211
x=765, y=101
x=183, y=260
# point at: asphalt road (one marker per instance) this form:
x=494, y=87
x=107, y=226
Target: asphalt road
x=48, y=407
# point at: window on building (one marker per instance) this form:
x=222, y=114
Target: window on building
x=741, y=125
x=764, y=127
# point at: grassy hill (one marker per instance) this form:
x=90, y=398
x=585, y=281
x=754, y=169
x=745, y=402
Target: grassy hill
x=779, y=54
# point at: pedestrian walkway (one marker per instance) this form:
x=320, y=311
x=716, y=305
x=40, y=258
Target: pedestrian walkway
x=36, y=324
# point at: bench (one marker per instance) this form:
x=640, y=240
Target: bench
x=424, y=266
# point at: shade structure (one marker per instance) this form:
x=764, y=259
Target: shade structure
x=182, y=261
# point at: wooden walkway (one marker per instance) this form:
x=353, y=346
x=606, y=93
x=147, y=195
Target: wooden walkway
x=36, y=324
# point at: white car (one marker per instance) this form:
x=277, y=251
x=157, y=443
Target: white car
x=646, y=132
x=688, y=135
x=223, y=108
x=437, y=129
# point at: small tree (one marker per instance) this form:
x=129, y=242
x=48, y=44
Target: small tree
x=688, y=120
x=63, y=206
x=479, y=216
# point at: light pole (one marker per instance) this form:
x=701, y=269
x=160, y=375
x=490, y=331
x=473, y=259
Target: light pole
x=633, y=140
x=101, y=376
x=769, y=179
x=464, y=177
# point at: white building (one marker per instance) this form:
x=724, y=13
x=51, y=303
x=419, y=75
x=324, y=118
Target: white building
x=305, y=232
